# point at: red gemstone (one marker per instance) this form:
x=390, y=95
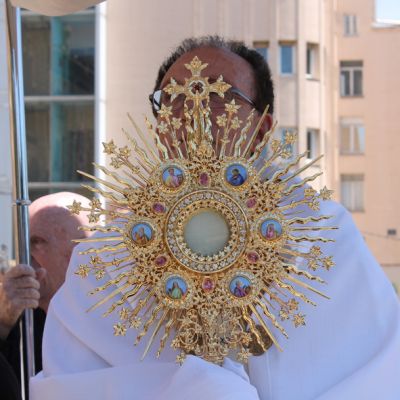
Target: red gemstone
x=160, y=261
x=158, y=208
x=252, y=256
x=204, y=179
x=250, y=203
x=208, y=285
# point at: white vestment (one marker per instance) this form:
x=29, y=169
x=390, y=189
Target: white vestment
x=349, y=348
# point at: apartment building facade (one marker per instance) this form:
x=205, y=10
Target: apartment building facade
x=368, y=127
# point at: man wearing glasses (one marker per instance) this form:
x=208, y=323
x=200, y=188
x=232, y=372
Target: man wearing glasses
x=350, y=348
x=244, y=69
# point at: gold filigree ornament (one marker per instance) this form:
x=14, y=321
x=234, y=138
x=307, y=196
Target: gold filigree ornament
x=199, y=246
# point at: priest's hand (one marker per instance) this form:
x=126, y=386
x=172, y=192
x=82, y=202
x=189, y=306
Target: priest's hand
x=19, y=289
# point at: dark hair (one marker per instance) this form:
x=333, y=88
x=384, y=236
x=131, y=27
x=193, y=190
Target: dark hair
x=264, y=86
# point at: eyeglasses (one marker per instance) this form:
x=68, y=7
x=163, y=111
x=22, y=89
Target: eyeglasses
x=159, y=98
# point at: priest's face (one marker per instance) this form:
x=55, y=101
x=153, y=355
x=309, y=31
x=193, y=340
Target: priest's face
x=235, y=70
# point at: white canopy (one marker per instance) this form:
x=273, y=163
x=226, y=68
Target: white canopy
x=55, y=7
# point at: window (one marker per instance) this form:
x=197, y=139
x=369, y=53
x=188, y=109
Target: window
x=286, y=59
x=292, y=148
x=352, y=192
x=349, y=25
x=60, y=141
x=59, y=99
x=312, y=61
x=352, y=137
x=313, y=143
x=309, y=60
x=351, y=80
x=262, y=49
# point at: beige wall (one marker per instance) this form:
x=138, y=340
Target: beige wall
x=137, y=42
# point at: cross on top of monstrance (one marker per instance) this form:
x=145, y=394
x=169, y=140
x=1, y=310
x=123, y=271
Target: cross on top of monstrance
x=197, y=90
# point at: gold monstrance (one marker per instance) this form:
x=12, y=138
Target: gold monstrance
x=202, y=245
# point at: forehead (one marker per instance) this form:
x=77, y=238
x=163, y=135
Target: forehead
x=235, y=70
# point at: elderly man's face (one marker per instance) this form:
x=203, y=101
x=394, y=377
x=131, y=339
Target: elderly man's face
x=235, y=70
x=52, y=228
x=50, y=249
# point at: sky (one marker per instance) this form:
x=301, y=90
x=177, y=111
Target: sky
x=388, y=9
